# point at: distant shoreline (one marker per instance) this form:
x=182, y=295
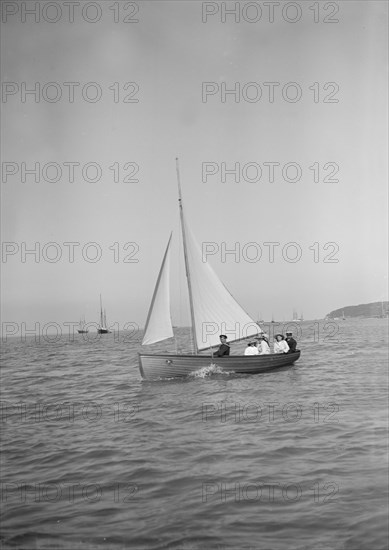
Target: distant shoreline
x=375, y=310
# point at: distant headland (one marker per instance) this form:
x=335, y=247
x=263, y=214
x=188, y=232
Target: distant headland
x=374, y=309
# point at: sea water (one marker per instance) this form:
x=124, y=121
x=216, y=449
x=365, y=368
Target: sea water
x=296, y=458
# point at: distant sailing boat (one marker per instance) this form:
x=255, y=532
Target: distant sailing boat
x=343, y=317
x=295, y=318
x=260, y=320
x=102, y=329
x=213, y=311
x=82, y=329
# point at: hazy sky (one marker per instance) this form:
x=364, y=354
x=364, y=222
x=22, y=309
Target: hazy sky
x=336, y=130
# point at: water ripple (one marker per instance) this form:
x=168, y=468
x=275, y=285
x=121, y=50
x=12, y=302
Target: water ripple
x=93, y=457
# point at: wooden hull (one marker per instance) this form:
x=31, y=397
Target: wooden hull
x=178, y=366
x=82, y=331
x=103, y=331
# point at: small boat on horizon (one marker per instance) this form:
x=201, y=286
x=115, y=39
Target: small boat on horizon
x=297, y=319
x=82, y=325
x=259, y=319
x=102, y=328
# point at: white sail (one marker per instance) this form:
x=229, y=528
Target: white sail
x=215, y=310
x=159, y=324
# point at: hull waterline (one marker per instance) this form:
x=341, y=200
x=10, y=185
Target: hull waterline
x=178, y=366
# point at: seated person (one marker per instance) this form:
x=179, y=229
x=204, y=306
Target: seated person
x=251, y=349
x=291, y=342
x=266, y=338
x=280, y=346
x=224, y=348
x=263, y=344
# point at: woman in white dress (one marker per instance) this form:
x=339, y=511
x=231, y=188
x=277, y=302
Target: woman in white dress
x=280, y=346
x=264, y=348
x=251, y=349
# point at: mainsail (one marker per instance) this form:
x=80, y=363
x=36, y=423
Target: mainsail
x=215, y=310
x=159, y=324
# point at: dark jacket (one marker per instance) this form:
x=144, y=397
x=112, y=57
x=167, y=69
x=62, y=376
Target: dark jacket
x=224, y=349
x=292, y=344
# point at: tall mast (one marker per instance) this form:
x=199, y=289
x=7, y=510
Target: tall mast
x=186, y=261
x=101, y=312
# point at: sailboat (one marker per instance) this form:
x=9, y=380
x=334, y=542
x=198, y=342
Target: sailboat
x=259, y=319
x=102, y=328
x=295, y=318
x=343, y=316
x=82, y=329
x=213, y=311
